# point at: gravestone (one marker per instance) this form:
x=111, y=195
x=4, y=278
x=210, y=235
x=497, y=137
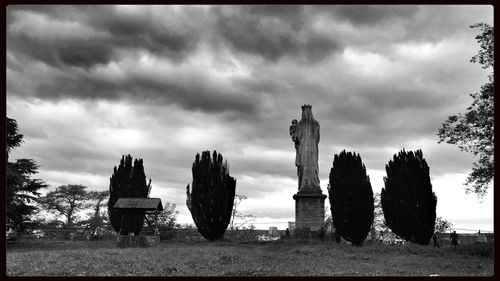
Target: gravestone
x=309, y=200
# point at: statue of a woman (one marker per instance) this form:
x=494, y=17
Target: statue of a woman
x=306, y=138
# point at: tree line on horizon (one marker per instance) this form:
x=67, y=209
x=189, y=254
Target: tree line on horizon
x=210, y=198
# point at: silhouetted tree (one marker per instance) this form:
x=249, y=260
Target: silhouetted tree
x=96, y=220
x=473, y=131
x=21, y=190
x=66, y=200
x=351, y=198
x=408, y=202
x=127, y=181
x=211, y=199
x=237, y=215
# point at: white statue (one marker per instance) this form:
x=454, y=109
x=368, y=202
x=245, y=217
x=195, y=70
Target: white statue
x=305, y=135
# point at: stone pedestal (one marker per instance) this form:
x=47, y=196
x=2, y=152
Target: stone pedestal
x=309, y=214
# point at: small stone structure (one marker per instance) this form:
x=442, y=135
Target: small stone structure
x=273, y=231
x=309, y=200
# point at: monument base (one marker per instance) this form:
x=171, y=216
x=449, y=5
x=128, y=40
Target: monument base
x=309, y=214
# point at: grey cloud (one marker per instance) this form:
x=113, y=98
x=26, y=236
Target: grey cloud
x=272, y=212
x=255, y=166
x=196, y=94
x=143, y=32
x=371, y=14
x=444, y=158
x=272, y=32
x=136, y=32
x=70, y=156
x=85, y=54
x=80, y=53
x=435, y=22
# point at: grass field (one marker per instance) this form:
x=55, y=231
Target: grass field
x=277, y=258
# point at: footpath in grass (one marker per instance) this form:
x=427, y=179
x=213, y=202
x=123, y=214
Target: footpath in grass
x=278, y=258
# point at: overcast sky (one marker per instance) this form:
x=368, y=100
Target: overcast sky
x=88, y=84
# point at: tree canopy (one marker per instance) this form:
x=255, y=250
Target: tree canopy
x=127, y=180
x=408, y=202
x=351, y=198
x=22, y=189
x=211, y=198
x=472, y=131
x=66, y=200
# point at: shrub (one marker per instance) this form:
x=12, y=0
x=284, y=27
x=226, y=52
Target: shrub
x=408, y=202
x=211, y=198
x=351, y=198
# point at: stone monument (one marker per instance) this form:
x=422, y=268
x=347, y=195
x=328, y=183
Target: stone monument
x=309, y=200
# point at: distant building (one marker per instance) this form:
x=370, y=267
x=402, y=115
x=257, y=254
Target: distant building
x=273, y=231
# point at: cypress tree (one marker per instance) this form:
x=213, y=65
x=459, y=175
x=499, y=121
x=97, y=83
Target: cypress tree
x=351, y=198
x=408, y=202
x=127, y=181
x=211, y=199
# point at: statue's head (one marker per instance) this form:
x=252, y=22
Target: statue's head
x=306, y=106
x=306, y=111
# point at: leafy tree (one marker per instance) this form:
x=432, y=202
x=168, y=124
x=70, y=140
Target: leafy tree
x=97, y=219
x=442, y=225
x=351, y=198
x=66, y=200
x=212, y=196
x=237, y=215
x=127, y=181
x=22, y=189
x=473, y=131
x=166, y=220
x=408, y=202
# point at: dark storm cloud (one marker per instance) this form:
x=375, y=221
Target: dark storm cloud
x=142, y=31
x=273, y=32
x=371, y=14
x=118, y=31
x=194, y=94
x=79, y=53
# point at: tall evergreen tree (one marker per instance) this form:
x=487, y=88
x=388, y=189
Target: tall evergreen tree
x=127, y=181
x=351, y=198
x=408, y=202
x=211, y=199
x=22, y=189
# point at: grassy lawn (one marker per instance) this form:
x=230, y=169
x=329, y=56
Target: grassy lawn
x=278, y=258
